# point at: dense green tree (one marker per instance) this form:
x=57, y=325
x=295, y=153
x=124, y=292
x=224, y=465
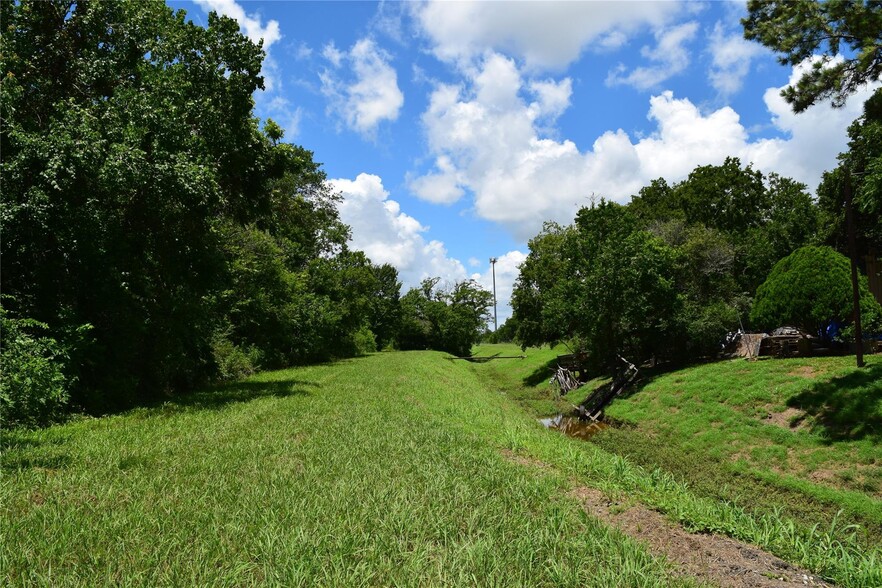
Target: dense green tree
x=541, y=295
x=657, y=202
x=863, y=160
x=810, y=287
x=126, y=131
x=668, y=275
x=726, y=197
x=141, y=198
x=760, y=218
x=33, y=385
x=626, y=301
x=800, y=30
x=385, y=306
x=446, y=319
x=610, y=291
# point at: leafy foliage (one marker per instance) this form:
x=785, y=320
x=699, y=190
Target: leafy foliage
x=141, y=198
x=446, y=319
x=802, y=30
x=810, y=287
x=668, y=275
x=33, y=386
x=627, y=299
x=540, y=297
x=385, y=306
x=863, y=161
x=122, y=145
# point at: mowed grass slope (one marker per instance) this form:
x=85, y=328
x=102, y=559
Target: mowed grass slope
x=808, y=430
x=690, y=429
x=819, y=419
x=386, y=470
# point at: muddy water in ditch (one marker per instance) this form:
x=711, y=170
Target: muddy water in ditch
x=573, y=426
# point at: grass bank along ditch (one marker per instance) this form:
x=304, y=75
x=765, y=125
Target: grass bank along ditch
x=712, y=434
x=394, y=469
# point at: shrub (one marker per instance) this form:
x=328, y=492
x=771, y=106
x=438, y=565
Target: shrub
x=706, y=327
x=809, y=287
x=33, y=386
x=233, y=361
x=364, y=341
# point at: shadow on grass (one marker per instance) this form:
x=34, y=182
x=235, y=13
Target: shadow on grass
x=847, y=408
x=12, y=462
x=233, y=392
x=542, y=373
x=22, y=449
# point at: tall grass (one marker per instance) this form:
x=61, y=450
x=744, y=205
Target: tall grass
x=365, y=472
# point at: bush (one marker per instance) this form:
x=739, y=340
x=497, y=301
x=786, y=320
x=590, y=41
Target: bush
x=810, y=287
x=364, y=341
x=707, y=326
x=33, y=386
x=233, y=361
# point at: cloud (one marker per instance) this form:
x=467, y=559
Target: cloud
x=813, y=138
x=251, y=23
x=507, y=271
x=669, y=56
x=552, y=98
x=332, y=54
x=731, y=57
x=442, y=187
x=367, y=97
x=387, y=235
x=303, y=51
x=488, y=142
x=460, y=32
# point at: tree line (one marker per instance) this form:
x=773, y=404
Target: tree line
x=668, y=275
x=156, y=236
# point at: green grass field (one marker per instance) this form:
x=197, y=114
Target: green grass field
x=393, y=469
x=385, y=470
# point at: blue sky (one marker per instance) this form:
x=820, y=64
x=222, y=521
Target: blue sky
x=455, y=129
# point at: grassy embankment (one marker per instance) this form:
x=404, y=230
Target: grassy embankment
x=390, y=469
x=800, y=437
x=385, y=470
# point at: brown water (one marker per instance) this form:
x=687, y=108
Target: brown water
x=573, y=426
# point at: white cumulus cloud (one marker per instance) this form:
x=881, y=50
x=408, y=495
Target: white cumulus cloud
x=461, y=31
x=365, y=95
x=486, y=135
x=388, y=235
x=731, y=56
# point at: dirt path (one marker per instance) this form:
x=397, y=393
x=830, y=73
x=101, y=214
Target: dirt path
x=715, y=559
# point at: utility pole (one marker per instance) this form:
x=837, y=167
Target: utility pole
x=493, y=266
x=852, y=253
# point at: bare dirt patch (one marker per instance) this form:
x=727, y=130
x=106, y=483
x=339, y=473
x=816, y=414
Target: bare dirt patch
x=524, y=460
x=790, y=418
x=719, y=560
x=823, y=477
x=805, y=371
